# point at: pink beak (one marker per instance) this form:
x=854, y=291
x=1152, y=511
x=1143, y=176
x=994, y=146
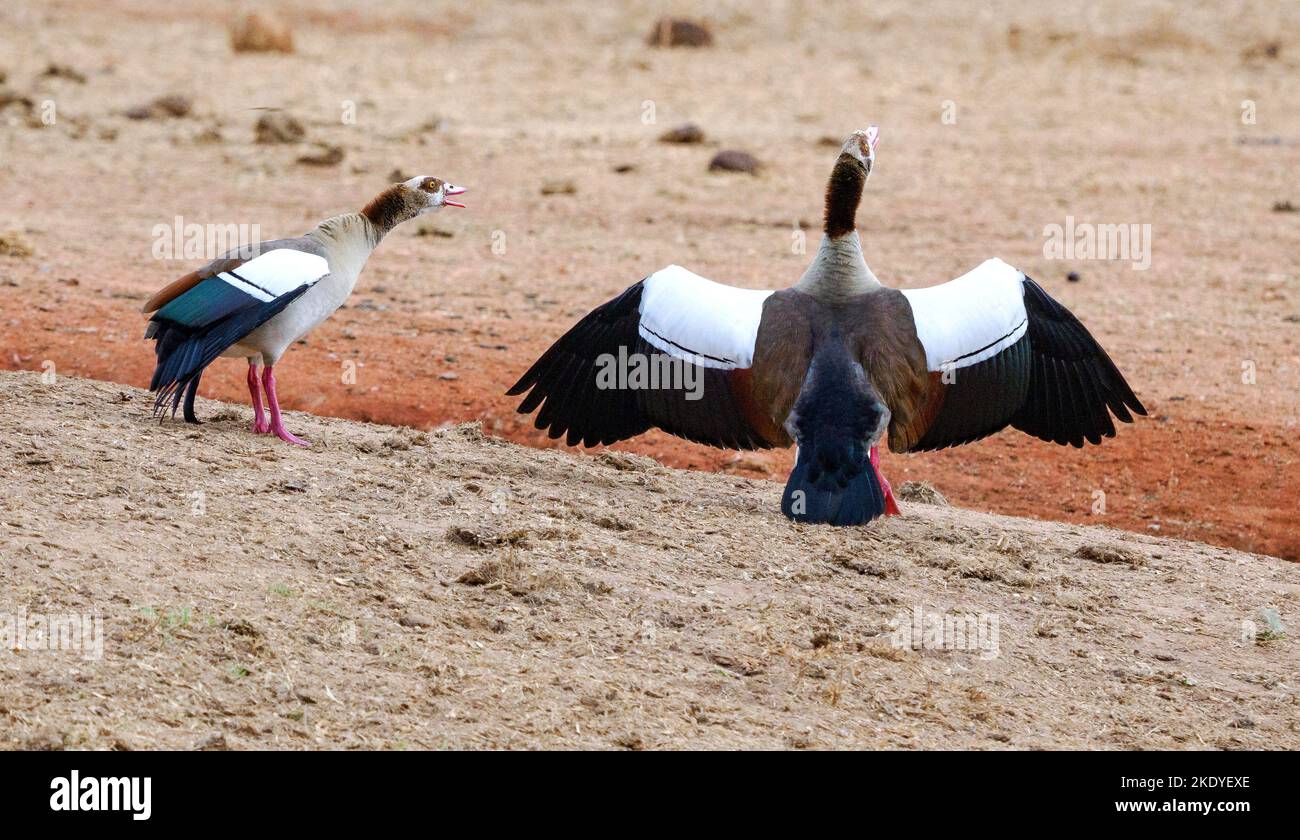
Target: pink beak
x=873, y=136
x=453, y=190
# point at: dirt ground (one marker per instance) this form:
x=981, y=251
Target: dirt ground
x=995, y=124
x=392, y=588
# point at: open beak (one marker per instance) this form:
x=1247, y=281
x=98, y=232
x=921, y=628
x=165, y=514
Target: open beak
x=873, y=136
x=451, y=190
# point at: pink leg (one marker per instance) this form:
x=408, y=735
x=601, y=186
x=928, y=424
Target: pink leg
x=891, y=506
x=260, y=426
x=277, y=425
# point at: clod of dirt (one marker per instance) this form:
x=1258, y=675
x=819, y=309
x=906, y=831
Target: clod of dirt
x=412, y=619
x=10, y=97
x=559, y=187
x=241, y=627
x=13, y=245
x=1109, y=554
x=261, y=33
x=1073, y=277
x=1273, y=627
x=629, y=461
x=48, y=741
x=496, y=570
x=212, y=743
x=1264, y=50
x=173, y=105
x=822, y=638
x=325, y=155
x=921, y=492
x=1285, y=207
x=624, y=168
x=731, y=160
x=679, y=32
x=278, y=127
x=873, y=568
x=684, y=133
x=480, y=539
x=735, y=664
x=63, y=71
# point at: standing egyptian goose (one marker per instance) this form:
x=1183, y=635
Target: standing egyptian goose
x=254, y=302
x=830, y=364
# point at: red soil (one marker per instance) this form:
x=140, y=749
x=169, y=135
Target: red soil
x=1186, y=471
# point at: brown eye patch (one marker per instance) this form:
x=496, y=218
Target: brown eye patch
x=431, y=185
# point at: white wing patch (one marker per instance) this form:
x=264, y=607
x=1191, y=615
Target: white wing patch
x=970, y=319
x=274, y=273
x=689, y=317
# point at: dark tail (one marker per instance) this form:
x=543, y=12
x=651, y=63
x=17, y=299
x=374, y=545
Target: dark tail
x=834, y=485
x=835, y=418
x=184, y=352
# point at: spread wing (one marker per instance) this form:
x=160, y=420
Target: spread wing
x=673, y=351
x=1001, y=352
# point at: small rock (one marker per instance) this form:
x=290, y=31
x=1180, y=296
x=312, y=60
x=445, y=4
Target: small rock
x=278, y=127
x=624, y=168
x=1110, y=554
x=172, y=105
x=679, y=32
x=1272, y=621
x=1285, y=207
x=13, y=245
x=261, y=33
x=449, y=376
x=212, y=743
x=1073, y=277
x=1266, y=49
x=1242, y=723
x=325, y=155
x=560, y=187
x=414, y=619
x=9, y=97
x=684, y=133
x=921, y=492
x=63, y=71
x=730, y=160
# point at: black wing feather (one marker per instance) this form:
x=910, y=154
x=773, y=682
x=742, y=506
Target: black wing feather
x=1075, y=372
x=1056, y=383
x=563, y=383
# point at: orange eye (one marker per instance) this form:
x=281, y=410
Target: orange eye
x=431, y=185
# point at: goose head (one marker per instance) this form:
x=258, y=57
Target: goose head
x=409, y=199
x=861, y=146
x=429, y=193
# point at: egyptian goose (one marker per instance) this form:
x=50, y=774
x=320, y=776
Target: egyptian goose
x=830, y=364
x=256, y=301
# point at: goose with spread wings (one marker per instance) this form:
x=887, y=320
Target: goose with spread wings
x=831, y=364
